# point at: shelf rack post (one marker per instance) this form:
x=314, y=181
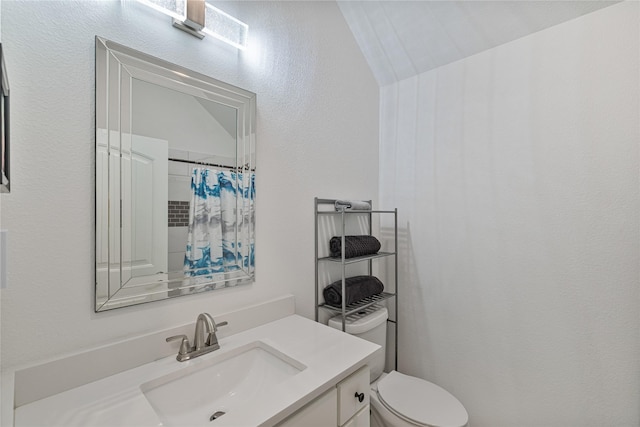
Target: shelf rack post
x=344, y=275
x=395, y=249
x=315, y=202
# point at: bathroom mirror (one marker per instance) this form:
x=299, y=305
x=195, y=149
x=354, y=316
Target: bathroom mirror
x=175, y=180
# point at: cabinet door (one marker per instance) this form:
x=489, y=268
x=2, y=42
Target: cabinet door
x=319, y=413
x=353, y=395
x=361, y=419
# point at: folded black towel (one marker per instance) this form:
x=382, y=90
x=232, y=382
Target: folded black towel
x=357, y=288
x=354, y=246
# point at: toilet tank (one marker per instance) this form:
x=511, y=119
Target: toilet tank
x=369, y=324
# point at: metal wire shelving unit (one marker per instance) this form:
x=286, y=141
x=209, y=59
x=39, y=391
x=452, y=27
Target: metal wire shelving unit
x=367, y=303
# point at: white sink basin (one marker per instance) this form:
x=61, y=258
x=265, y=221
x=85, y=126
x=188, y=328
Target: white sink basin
x=222, y=383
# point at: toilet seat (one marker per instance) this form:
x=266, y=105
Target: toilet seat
x=420, y=402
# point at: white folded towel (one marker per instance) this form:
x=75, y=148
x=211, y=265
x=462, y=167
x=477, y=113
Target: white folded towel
x=357, y=205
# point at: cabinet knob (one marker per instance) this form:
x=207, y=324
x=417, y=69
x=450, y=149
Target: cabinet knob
x=359, y=396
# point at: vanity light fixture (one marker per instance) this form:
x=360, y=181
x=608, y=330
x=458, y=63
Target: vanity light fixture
x=225, y=27
x=177, y=9
x=193, y=21
x=198, y=17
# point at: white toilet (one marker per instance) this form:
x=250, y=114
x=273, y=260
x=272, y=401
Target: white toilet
x=399, y=400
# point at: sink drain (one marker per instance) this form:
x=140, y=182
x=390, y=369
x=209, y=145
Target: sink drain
x=216, y=415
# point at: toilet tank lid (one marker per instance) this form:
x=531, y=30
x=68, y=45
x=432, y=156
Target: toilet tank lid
x=361, y=321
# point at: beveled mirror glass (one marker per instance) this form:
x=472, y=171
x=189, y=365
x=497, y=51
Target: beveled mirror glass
x=175, y=180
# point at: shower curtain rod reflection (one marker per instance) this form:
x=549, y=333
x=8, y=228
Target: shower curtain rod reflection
x=194, y=162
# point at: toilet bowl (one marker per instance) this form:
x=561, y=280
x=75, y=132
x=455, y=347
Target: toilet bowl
x=399, y=400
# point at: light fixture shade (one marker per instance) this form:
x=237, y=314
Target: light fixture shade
x=217, y=23
x=225, y=27
x=175, y=8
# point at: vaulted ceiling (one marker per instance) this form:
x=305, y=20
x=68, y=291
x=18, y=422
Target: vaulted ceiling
x=403, y=38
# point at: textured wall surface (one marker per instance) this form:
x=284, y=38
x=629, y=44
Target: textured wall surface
x=400, y=39
x=515, y=172
x=317, y=136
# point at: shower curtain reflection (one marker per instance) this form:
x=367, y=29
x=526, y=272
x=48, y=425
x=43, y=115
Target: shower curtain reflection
x=216, y=244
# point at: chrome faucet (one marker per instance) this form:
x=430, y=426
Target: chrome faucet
x=205, y=338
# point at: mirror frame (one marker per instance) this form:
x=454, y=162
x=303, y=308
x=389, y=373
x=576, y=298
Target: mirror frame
x=5, y=172
x=116, y=66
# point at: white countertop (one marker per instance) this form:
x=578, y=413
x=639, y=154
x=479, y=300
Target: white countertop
x=328, y=354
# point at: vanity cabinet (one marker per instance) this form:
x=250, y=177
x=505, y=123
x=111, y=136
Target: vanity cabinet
x=361, y=419
x=319, y=413
x=291, y=371
x=345, y=405
x=353, y=395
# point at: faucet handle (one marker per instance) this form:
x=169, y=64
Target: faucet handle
x=212, y=339
x=184, y=346
x=215, y=325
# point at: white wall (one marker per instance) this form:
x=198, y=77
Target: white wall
x=516, y=175
x=317, y=135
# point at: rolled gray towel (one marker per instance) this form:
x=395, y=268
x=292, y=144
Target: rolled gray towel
x=358, y=205
x=354, y=246
x=357, y=288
